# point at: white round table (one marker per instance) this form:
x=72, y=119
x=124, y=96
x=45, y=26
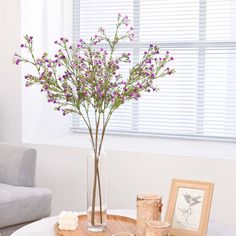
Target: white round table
x=44, y=227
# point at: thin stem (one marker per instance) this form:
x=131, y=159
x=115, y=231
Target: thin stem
x=96, y=159
x=98, y=174
x=100, y=196
x=94, y=191
x=104, y=131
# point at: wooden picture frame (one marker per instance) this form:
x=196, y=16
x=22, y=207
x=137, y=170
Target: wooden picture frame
x=189, y=207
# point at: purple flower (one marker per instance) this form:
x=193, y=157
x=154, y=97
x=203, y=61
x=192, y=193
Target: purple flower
x=17, y=61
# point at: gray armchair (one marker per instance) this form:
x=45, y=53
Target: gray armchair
x=20, y=201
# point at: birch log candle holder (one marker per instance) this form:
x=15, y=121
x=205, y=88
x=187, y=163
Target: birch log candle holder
x=149, y=207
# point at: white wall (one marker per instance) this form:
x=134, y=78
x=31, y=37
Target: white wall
x=63, y=169
x=10, y=92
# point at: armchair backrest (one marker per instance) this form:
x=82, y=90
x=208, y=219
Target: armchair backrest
x=17, y=165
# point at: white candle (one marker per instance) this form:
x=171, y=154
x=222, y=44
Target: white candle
x=68, y=220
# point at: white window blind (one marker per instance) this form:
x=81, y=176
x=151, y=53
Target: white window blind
x=200, y=99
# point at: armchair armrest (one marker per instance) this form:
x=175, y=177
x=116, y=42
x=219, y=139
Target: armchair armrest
x=17, y=165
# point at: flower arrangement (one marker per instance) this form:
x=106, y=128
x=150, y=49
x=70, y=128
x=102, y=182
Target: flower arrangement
x=83, y=77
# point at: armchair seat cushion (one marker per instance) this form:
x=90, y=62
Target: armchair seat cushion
x=23, y=204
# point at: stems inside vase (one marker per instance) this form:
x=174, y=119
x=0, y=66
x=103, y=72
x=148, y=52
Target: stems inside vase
x=96, y=182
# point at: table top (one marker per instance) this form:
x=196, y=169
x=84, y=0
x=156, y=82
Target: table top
x=44, y=227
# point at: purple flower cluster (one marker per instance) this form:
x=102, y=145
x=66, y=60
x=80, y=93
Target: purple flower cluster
x=85, y=75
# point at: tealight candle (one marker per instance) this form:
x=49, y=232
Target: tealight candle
x=158, y=228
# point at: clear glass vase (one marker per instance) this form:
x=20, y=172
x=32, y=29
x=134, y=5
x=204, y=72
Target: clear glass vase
x=96, y=191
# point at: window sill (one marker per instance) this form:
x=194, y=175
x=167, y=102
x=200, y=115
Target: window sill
x=161, y=146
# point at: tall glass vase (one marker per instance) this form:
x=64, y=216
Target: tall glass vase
x=96, y=191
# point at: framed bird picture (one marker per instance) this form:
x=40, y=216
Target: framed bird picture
x=189, y=207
